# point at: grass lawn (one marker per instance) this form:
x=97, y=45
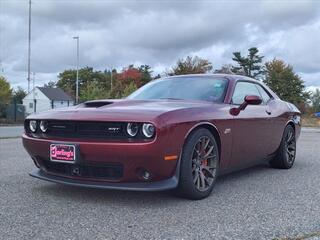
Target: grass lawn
x=308, y=121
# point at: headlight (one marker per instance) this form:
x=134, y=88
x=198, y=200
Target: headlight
x=44, y=126
x=33, y=125
x=132, y=129
x=148, y=130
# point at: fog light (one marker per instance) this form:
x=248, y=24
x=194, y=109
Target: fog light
x=146, y=175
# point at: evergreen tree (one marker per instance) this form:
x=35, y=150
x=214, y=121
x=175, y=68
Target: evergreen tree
x=146, y=74
x=250, y=66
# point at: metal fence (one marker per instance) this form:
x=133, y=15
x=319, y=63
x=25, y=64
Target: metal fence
x=15, y=113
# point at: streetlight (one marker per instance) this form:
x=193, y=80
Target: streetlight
x=34, y=94
x=77, y=80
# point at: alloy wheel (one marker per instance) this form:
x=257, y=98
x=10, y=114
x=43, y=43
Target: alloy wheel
x=290, y=146
x=204, y=163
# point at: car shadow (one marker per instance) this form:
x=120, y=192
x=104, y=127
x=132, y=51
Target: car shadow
x=122, y=197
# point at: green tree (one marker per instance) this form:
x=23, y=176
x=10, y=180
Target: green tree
x=50, y=84
x=315, y=100
x=5, y=95
x=130, y=88
x=110, y=75
x=146, y=74
x=251, y=65
x=92, y=91
x=225, y=69
x=128, y=76
x=129, y=79
x=19, y=94
x=96, y=84
x=191, y=65
x=67, y=81
x=281, y=78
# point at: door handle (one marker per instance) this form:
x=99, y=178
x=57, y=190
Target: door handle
x=268, y=112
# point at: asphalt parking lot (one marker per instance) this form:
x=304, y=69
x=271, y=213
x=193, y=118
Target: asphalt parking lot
x=258, y=203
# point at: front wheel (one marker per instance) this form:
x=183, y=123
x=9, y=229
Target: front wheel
x=286, y=153
x=199, y=165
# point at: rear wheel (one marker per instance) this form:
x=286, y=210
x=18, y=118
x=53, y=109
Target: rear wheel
x=286, y=154
x=199, y=165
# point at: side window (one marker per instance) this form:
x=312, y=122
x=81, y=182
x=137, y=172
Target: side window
x=265, y=96
x=243, y=89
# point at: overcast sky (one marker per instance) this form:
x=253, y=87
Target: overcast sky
x=119, y=33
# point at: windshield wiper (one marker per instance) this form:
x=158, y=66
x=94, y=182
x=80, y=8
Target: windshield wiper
x=172, y=98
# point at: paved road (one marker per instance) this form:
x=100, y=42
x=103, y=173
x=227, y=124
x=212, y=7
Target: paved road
x=259, y=203
x=10, y=131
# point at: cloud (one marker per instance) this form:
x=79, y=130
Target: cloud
x=118, y=33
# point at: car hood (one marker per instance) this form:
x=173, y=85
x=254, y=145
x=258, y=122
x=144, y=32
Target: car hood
x=119, y=110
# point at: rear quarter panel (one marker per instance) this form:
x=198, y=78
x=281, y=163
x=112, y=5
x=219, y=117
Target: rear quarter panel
x=283, y=113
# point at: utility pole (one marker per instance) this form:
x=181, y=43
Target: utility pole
x=33, y=91
x=29, y=46
x=111, y=78
x=77, y=77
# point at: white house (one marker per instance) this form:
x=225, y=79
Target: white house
x=42, y=99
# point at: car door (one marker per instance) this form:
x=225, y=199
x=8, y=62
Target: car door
x=250, y=127
x=275, y=125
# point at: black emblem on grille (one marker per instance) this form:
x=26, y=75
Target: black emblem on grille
x=113, y=129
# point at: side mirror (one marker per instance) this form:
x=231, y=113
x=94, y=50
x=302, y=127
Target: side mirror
x=252, y=100
x=248, y=100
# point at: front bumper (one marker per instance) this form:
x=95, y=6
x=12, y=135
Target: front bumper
x=136, y=186
x=131, y=156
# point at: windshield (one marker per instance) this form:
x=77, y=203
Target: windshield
x=190, y=88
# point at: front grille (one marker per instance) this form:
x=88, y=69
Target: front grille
x=104, y=130
x=107, y=172
x=86, y=130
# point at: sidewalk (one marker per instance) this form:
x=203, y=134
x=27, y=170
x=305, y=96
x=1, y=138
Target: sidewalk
x=10, y=131
x=310, y=129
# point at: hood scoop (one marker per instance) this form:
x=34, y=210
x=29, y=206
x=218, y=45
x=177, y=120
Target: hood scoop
x=96, y=104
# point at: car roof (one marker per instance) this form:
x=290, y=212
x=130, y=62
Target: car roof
x=233, y=77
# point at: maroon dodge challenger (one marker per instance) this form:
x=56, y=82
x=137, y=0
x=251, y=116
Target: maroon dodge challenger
x=173, y=133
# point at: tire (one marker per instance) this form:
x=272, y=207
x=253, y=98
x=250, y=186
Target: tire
x=199, y=165
x=286, y=153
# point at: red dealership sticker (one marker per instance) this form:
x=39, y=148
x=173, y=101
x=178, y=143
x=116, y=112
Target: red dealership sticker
x=62, y=152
